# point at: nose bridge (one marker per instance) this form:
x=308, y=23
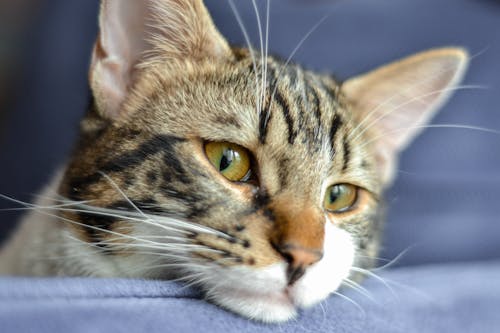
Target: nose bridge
x=298, y=236
x=299, y=226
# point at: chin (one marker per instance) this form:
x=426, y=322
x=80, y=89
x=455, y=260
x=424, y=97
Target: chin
x=264, y=294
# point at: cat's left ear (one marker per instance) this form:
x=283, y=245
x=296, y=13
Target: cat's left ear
x=133, y=31
x=394, y=102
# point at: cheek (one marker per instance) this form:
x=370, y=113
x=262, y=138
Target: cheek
x=327, y=275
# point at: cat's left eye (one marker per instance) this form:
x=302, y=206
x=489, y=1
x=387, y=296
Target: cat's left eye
x=231, y=160
x=340, y=198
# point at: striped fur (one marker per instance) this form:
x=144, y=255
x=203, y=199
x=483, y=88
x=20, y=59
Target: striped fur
x=298, y=139
x=139, y=197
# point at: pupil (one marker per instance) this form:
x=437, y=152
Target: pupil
x=226, y=159
x=334, y=194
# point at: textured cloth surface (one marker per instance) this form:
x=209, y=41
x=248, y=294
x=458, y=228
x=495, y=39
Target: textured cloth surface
x=433, y=299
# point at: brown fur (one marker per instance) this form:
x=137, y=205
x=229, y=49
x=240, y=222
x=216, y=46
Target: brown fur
x=171, y=85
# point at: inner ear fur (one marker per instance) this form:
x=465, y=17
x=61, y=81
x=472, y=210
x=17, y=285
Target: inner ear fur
x=394, y=102
x=133, y=33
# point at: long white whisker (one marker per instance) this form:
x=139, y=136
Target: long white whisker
x=250, y=49
x=266, y=52
x=376, y=277
x=182, y=248
x=393, y=261
x=436, y=92
x=263, y=83
x=350, y=301
x=416, y=84
x=170, y=238
x=41, y=211
x=117, y=188
x=451, y=126
x=292, y=54
x=166, y=223
x=191, y=226
x=176, y=256
x=356, y=286
x=371, y=257
x=28, y=206
x=123, y=215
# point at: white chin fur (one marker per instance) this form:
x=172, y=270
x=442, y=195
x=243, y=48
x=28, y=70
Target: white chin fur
x=262, y=294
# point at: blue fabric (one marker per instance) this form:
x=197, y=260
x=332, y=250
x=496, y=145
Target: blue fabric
x=433, y=299
x=444, y=205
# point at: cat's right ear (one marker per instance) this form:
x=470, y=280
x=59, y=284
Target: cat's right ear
x=396, y=101
x=133, y=31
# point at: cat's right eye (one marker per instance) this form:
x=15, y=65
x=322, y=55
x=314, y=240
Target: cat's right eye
x=231, y=160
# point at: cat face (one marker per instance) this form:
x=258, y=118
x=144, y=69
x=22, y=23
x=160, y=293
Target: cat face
x=259, y=181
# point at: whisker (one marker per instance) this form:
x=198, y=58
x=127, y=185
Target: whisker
x=98, y=211
x=393, y=261
x=376, y=277
x=263, y=83
x=292, y=54
x=387, y=113
x=184, y=248
x=266, y=54
x=165, y=223
x=41, y=211
x=268, y=13
x=179, y=239
x=416, y=84
x=250, y=49
x=450, y=126
x=197, y=282
x=363, y=291
x=371, y=257
x=28, y=206
x=117, y=188
x=350, y=301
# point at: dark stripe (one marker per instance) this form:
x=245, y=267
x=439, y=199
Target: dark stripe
x=264, y=118
x=317, y=106
x=159, y=143
x=261, y=198
x=265, y=114
x=301, y=103
x=347, y=153
x=292, y=134
x=174, y=168
x=152, y=177
x=95, y=236
x=292, y=74
x=130, y=159
x=228, y=120
x=336, y=124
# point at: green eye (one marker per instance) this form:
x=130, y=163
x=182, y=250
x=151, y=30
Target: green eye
x=340, y=198
x=231, y=160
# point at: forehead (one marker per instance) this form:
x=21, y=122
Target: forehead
x=258, y=101
x=299, y=121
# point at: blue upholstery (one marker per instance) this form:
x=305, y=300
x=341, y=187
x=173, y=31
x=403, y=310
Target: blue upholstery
x=434, y=299
x=443, y=207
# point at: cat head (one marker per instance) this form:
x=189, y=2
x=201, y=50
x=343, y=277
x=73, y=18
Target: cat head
x=257, y=180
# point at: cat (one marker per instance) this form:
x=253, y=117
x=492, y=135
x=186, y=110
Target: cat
x=254, y=179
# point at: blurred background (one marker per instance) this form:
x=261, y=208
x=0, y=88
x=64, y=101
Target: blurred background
x=445, y=204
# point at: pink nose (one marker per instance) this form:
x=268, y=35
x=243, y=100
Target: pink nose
x=298, y=259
